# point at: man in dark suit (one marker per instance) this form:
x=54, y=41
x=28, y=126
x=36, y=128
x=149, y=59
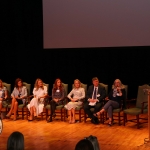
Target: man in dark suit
x=95, y=97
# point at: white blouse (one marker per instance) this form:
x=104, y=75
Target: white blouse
x=22, y=93
x=40, y=92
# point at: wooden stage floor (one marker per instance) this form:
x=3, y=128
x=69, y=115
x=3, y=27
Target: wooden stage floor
x=59, y=135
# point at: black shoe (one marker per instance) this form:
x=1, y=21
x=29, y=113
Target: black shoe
x=30, y=120
x=97, y=121
x=49, y=120
x=35, y=117
x=93, y=121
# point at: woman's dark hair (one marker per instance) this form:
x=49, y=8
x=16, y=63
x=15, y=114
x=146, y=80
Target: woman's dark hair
x=84, y=145
x=55, y=85
x=15, y=141
x=88, y=143
x=16, y=82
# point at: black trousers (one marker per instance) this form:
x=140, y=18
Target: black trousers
x=53, y=105
x=87, y=108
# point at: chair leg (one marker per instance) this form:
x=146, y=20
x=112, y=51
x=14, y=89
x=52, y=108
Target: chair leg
x=42, y=115
x=85, y=117
x=22, y=113
x=119, y=118
x=106, y=115
x=6, y=110
x=124, y=118
x=61, y=115
x=27, y=113
x=64, y=114
x=137, y=117
x=80, y=115
x=46, y=113
x=101, y=118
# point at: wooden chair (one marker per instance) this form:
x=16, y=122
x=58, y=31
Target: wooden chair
x=140, y=108
x=117, y=112
x=60, y=108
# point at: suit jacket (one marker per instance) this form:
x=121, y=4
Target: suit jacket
x=101, y=91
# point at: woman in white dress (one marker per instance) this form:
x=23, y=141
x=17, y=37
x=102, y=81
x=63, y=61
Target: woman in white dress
x=75, y=96
x=3, y=94
x=37, y=103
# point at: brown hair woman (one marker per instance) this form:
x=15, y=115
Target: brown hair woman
x=18, y=95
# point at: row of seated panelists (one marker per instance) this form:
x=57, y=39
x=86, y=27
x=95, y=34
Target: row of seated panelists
x=140, y=108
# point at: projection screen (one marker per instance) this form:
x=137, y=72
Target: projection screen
x=96, y=23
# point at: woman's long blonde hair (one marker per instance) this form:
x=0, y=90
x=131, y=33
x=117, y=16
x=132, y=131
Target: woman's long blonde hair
x=77, y=81
x=121, y=85
x=36, y=84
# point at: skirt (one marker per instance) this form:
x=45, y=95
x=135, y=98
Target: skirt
x=39, y=106
x=72, y=105
x=20, y=101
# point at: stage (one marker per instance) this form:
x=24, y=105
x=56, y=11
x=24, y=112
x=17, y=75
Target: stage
x=60, y=135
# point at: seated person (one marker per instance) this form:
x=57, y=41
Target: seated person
x=19, y=96
x=3, y=94
x=58, y=93
x=15, y=141
x=37, y=103
x=84, y=145
x=88, y=143
x=75, y=96
x=116, y=94
x=95, y=96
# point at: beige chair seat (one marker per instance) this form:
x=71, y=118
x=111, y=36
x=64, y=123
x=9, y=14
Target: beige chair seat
x=5, y=104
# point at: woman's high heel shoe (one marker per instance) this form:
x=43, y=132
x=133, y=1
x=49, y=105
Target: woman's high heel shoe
x=110, y=124
x=97, y=114
x=49, y=120
x=14, y=119
x=8, y=115
x=35, y=115
x=73, y=121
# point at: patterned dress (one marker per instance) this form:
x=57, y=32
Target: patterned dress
x=78, y=93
